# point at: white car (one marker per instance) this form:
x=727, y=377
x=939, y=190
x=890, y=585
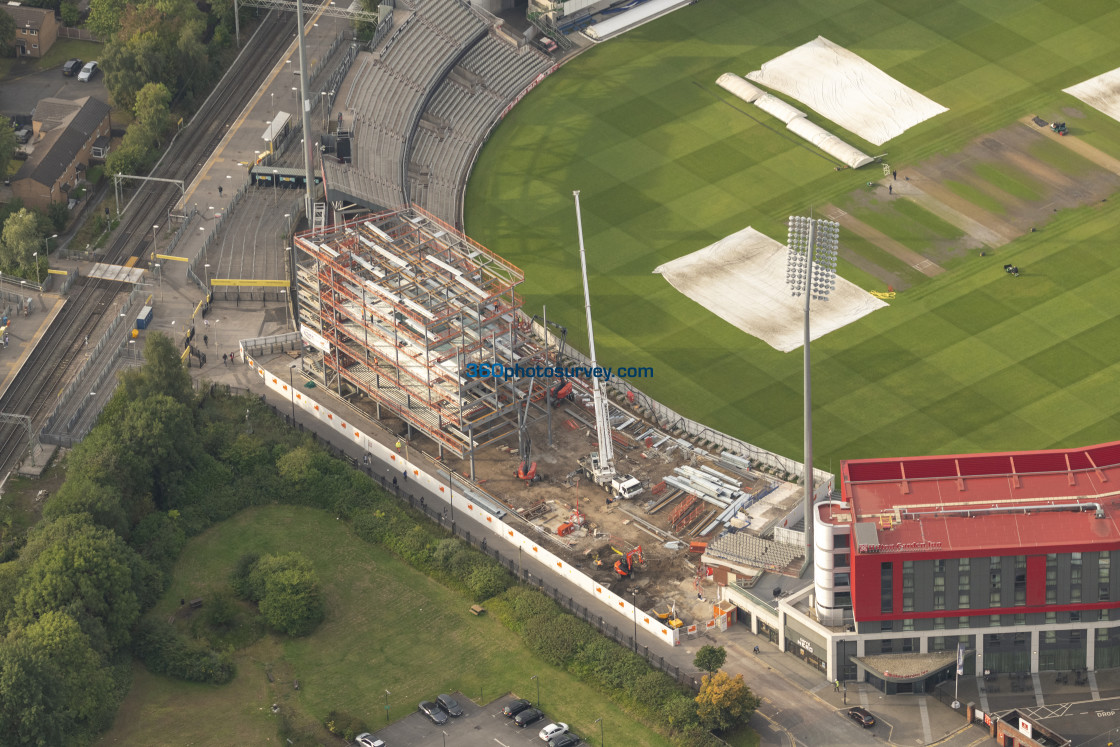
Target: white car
x=88, y=72
x=552, y=730
x=367, y=740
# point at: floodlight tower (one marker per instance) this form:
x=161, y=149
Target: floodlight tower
x=603, y=469
x=811, y=270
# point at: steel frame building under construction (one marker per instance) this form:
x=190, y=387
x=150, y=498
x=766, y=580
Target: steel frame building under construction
x=397, y=305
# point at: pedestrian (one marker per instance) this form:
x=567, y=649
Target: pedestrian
x=225, y=359
x=836, y=685
x=890, y=189
x=206, y=322
x=219, y=190
x=206, y=340
x=894, y=175
x=86, y=342
x=340, y=120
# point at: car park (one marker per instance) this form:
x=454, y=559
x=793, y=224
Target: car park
x=564, y=740
x=88, y=72
x=367, y=740
x=552, y=730
x=71, y=67
x=432, y=711
x=528, y=716
x=862, y=717
x=449, y=705
x=515, y=707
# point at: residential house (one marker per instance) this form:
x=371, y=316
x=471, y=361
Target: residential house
x=36, y=29
x=64, y=133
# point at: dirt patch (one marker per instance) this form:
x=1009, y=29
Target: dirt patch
x=668, y=576
x=1078, y=146
x=1072, y=112
x=1010, y=146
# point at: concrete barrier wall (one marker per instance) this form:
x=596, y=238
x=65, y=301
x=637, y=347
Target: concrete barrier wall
x=527, y=545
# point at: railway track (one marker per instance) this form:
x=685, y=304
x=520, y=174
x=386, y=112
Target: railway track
x=40, y=380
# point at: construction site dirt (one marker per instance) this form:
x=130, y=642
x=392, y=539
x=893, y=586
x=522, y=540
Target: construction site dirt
x=584, y=523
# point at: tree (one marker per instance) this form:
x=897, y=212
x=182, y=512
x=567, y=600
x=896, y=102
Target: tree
x=162, y=373
x=710, y=658
x=7, y=36
x=21, y=239
x=724, y=701
x=105, y=17
x=287, y=590
x=69, y=13
x=88, y=573
x=7, y=133
x=54, y=684
x=152, y=110
x=80, y=495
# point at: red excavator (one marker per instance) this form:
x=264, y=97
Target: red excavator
x=625, y=566
x=528, y=472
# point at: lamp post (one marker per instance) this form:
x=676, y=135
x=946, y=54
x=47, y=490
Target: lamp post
x=387, y=694
x=292, y=384
x=323, y=103
x=36, y=256
x=534, y=677
x=599, y=721
x=207, y=268
x=811, y=270
x=634, y=604
x=155, y=230
x=160, y=275
x=273, y=95
x=47, y=242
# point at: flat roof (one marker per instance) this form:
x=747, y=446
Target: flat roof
x=1061, y=500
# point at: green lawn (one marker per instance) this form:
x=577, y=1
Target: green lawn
x=970, y=360
x=388, y=627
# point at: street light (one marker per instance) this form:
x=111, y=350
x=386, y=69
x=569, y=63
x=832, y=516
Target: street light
x=323, y=102
x=813, y=242
x=387, y=694
x=292, y=383
x=36, y=256
x=155, y=230
x=534, y=677
x=634, y=604
x=47, y=242
x=273, y=95
x=599, y=721
x=160, y=274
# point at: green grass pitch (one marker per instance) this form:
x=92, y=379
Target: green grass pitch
x=972, y=360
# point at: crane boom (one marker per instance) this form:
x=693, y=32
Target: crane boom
x=604, y=469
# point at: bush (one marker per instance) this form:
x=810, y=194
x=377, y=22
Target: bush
x=344, y=725
x=239, y=579
x=286, y=589
x=488, y=581
x=164, y=651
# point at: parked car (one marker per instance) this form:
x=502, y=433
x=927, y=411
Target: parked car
x=862, y=717
x=88, y=72
x=432, y=711
x=528, y=716
x=515, y=707
x=366, y=740
x=72, y=67
x=564, y=740
x=552, y=730
x=23, y=134
x=449, y=705
x=548, y=45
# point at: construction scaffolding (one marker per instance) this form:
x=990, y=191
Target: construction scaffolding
x=404, y=309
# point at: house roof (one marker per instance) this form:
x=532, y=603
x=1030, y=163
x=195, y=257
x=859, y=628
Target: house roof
x=1042, y=501
x=27, y=18
x=65, y=127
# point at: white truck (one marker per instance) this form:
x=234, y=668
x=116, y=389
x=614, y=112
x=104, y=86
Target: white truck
x=626, y=486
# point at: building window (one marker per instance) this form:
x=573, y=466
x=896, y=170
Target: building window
x=34, y=46
x=939, y=600
x=908, y=625
x=1075, y=593
x=34, y=32
x=939, y=623
x=1102, y=594
x=939, y=583
x=963, y=600
x=1020, y=619
x=993, y=598
x=886, y=626
x=907, y=602
x=886, y=588
x=939, y=566
x=1075, y=617
x=1051, y=618
x=993, y=621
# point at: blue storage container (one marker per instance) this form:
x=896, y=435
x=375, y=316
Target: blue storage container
x=145, y=318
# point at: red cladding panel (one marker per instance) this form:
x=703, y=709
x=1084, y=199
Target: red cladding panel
x=1036, y=580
